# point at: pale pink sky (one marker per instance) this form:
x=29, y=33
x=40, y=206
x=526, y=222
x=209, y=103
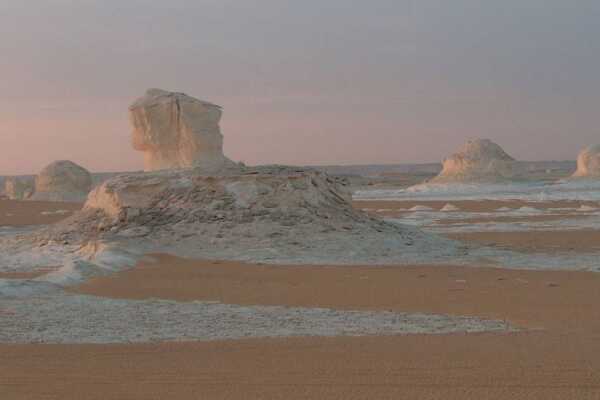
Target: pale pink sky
x=310, y=82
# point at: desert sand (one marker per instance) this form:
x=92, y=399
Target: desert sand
x=555, y=356
x=26, y=275
x=23, y=213
x=575, y=241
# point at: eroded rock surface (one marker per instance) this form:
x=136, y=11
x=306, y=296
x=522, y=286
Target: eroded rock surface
x=175, y=130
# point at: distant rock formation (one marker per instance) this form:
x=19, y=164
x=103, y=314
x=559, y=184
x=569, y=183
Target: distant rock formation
x=588, y=163
x=18, y=188
x=479, y=160
x=175, y=130
x=62, y=181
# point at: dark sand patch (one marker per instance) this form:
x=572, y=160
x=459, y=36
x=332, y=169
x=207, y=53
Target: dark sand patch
x=24, y=213
x=26, y=275
x=576, y=241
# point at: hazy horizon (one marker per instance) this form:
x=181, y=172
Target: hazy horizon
x=305, y=83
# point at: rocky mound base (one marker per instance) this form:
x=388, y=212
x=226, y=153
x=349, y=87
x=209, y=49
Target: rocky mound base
x=272, y=214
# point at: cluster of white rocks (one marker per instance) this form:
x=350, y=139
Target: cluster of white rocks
x=194, y=201
x=483, y=161
x=16, y=188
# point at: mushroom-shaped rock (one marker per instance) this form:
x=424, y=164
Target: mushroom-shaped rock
x=588, y=163
x=63, y=181
x=18, y=188
x=479, y=160
x=175, y=130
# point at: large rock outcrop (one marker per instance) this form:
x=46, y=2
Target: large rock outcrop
x=175, y=130
x=16, y=188
x=267, y=214
x=588, y=163
x=63, y=181
x=479, y=160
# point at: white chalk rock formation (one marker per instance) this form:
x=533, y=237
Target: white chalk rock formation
x=588, y=163
x=479, y=160
x=62, y=181
x=266, y=214
x=175, y=130
x=18, y=188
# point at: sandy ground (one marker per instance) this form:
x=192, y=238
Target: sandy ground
x=557, y=357
x=469, y=205
x=23, y=213
x=579, y=241
x=509, y=219
x=524, y=298
x=26, y=275
x=520, y=367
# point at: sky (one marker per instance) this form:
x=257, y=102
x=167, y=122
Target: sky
x=301, y=82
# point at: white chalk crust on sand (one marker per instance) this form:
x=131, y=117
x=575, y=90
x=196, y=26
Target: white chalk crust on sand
x=65, y=318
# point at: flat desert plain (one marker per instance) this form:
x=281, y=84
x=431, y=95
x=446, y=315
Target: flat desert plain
x=554, y=354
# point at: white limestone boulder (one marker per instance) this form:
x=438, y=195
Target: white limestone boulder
x=174, y=130
x=588, y=163
x=479, y=160
x=62, y=181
